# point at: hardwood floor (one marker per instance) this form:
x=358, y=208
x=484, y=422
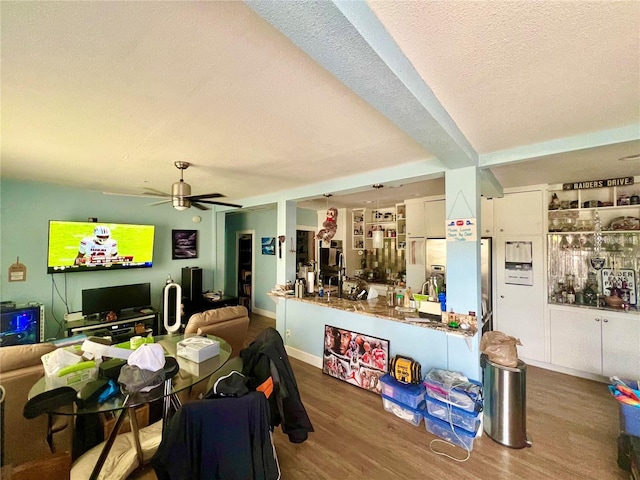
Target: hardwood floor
x=573, y=423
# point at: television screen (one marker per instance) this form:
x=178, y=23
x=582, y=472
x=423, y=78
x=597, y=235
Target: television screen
x=88, y=246
x=116, y=299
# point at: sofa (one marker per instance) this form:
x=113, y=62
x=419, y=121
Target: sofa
x=229, y=323
x=20, y=368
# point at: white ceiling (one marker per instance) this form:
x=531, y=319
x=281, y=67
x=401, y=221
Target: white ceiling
x=264, y=97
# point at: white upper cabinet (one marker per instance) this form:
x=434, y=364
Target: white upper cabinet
x=518, y=213
x=435, y=218
x=415, y=223
x=486, y=217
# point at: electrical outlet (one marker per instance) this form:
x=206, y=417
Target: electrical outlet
x=288, y=333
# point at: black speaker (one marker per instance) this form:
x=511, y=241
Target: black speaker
x=192, y=283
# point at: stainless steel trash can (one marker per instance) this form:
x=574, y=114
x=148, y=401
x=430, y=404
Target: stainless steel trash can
x=505, y=403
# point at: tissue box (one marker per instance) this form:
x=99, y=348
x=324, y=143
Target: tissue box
x=198, y=349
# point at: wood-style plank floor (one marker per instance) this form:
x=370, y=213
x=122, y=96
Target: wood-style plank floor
x=573, y=423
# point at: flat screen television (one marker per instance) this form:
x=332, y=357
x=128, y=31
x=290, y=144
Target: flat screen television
x=21, y=325
x=88, y=246
x=116, y=299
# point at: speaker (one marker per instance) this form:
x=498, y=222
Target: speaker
x=192, y=283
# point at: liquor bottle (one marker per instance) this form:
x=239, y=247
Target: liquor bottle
x=571, y=291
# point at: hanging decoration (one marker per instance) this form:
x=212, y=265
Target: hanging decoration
x=378, y=234
x=330, y=225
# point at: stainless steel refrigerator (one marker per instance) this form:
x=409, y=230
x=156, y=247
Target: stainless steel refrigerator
x=436, y=256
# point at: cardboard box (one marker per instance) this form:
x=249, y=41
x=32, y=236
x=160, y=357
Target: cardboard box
x=198, y=349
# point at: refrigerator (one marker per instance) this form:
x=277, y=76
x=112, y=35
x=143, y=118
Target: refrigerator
x=434, y=259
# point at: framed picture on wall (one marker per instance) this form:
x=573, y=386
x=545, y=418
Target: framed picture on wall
x=268, y=245
x=355, y=358
x=184, y=244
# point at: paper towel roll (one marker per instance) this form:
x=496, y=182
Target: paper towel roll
x=311, y=278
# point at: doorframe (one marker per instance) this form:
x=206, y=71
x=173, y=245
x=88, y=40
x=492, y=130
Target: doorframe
x=239, y=234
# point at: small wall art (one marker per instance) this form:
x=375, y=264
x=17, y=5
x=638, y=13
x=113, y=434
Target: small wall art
x=184, y=244
x=268, y=245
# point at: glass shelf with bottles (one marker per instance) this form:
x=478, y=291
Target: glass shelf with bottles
x=581, y=274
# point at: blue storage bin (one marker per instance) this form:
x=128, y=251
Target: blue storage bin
x=410, y=395
x=460, y=418
x=408, y=414
x=630, y=414
x=457, y=436
x=452, y=387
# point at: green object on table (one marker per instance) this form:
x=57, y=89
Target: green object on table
x=127, y=344
x=78, y=366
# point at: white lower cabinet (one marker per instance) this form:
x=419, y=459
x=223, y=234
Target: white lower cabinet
x=596, y=341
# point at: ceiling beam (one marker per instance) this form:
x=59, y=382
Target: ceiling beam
x=348, y=40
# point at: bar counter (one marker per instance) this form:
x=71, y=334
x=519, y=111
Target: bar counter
x=378, y=307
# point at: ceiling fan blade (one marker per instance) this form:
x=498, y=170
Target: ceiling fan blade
x=152, y=192
x=158, y=203
x=120, y=194
x=199, y=206
x=225, y=204
x=205, y=196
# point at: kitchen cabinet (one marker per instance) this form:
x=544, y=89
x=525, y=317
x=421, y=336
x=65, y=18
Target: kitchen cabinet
x=415, y=222
x=601, y=342
x=486, y=217
x=518, y=213
x=435, y=218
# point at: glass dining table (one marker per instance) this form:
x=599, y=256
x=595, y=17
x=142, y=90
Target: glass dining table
x=180, y=375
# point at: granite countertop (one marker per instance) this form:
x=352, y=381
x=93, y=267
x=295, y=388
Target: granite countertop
x=378, y=308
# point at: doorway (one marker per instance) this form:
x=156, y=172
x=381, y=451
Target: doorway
x=244, y=268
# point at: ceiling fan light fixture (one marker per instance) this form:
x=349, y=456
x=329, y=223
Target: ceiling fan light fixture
x=180, y=203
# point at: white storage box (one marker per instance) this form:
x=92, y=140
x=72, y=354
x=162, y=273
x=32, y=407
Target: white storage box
x=408, y=414
x=63, y=368
x=198, y=349
x=457, y=436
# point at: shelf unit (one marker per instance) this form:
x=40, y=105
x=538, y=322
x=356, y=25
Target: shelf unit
x=357, y=224
x=571, y=241
x=380, y=218
x=401, y=226
x=245, y=269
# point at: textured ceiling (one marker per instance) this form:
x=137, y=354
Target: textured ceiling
x=107, y=95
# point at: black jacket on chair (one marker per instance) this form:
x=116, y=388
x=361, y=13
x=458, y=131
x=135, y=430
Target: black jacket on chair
x=267, y=368
x=224, y=438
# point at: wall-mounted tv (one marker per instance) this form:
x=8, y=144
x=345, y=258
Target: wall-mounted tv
x=88, y=246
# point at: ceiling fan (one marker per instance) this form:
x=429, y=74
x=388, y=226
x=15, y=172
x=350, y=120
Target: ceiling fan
x=181, y=198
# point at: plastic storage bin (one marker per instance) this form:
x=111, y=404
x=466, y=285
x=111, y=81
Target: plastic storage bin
x=408, y=414
x=453, y=388
x=630, y=419
x=460, y=418
x=442, y=429
x=409, y=395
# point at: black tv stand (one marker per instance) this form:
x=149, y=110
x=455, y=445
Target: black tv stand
x=120, y=330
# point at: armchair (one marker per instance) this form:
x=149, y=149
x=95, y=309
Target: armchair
x=20, y=368
x=230, y=323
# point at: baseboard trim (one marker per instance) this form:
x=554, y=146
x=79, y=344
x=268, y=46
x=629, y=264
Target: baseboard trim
x=567, y=371
x=304, y=357
x=264, y=313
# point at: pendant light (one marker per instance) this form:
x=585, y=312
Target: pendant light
x=378, y=241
